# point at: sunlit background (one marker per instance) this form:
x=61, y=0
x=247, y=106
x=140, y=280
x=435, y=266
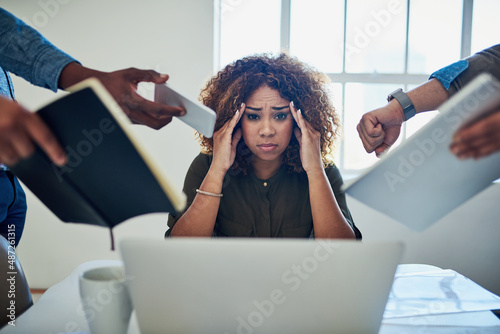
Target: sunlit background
x=367, y=48
x=188, y=39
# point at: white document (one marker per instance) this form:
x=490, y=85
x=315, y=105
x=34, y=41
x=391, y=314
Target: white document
x=437, y=292
x=421, y=181
x=198, y=116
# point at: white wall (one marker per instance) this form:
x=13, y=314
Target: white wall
x=175, y=37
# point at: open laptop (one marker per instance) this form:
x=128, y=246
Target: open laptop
x=233, y=286
x=421, y=181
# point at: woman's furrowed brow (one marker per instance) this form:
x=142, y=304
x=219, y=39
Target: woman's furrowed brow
x=281, y=108
x=260, y=109
x=253, y=108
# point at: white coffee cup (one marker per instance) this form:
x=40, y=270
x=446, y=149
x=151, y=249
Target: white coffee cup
x=105, y=300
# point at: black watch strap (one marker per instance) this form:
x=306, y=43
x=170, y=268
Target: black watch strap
x=404, y=101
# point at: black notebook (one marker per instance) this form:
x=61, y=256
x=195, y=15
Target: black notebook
x=109, y=177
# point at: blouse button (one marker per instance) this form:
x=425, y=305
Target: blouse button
x=265, y=184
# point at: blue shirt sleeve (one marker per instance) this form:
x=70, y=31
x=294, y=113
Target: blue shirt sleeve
x=449, y=73
x=26, y=53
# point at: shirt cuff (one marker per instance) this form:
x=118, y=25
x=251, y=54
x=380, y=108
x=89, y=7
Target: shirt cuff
x=449, y=73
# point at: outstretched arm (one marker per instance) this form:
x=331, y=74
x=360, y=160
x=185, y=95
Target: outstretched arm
x=21, y=129
x=122, y=85
x=26, y=53
x=380, y=128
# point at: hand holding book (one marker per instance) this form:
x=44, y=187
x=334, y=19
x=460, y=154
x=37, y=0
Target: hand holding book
x=20, y=130
x=108, y=176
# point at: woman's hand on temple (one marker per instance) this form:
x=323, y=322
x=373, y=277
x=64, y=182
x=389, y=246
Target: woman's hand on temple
x=309, y=140
x=225, y=141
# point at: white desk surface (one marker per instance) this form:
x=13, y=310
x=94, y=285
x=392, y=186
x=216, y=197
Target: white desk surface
x=49, y=315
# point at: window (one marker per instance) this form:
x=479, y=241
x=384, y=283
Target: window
x=367, y=48
x=248, y=27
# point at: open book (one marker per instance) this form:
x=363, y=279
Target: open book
x=109, y=176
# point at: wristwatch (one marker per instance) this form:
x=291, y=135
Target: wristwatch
x=404, y=101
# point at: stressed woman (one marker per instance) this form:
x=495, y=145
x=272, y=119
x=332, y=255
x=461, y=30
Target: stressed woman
x=267, y=170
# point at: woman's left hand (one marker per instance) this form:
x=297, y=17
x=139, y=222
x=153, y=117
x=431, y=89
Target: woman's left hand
x=309, y=140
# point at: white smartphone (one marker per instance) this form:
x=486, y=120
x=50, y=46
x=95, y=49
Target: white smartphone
x=198, y=116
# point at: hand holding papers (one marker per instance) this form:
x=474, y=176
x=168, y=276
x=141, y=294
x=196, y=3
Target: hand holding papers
x=421, y=181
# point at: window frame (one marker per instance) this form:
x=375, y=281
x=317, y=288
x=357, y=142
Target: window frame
x=404, y=79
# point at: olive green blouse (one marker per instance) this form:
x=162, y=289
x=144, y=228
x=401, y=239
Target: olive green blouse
x=252, y=207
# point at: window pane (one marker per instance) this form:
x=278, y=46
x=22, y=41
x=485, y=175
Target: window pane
x=336, y=94
x=317, y=33
x=435, y=30
x=249, y=27
x=375, y=40
x=359, y=99
x=419, y=121
x=484, y=24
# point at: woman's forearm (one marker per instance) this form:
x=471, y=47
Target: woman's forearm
x=328, y=220
x=199, y=219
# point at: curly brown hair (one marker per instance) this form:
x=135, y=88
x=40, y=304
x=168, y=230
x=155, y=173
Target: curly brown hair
x=294, y=80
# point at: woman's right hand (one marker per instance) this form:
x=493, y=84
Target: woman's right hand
x=225, y=141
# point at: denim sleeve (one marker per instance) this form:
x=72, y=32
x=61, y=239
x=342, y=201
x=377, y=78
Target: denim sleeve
x=449, y=73
x=26, y=53
x=457, y=75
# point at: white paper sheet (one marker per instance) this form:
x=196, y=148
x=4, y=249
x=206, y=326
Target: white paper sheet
x=437, y=292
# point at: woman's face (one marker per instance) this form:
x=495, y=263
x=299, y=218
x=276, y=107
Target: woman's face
x=267, y=124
